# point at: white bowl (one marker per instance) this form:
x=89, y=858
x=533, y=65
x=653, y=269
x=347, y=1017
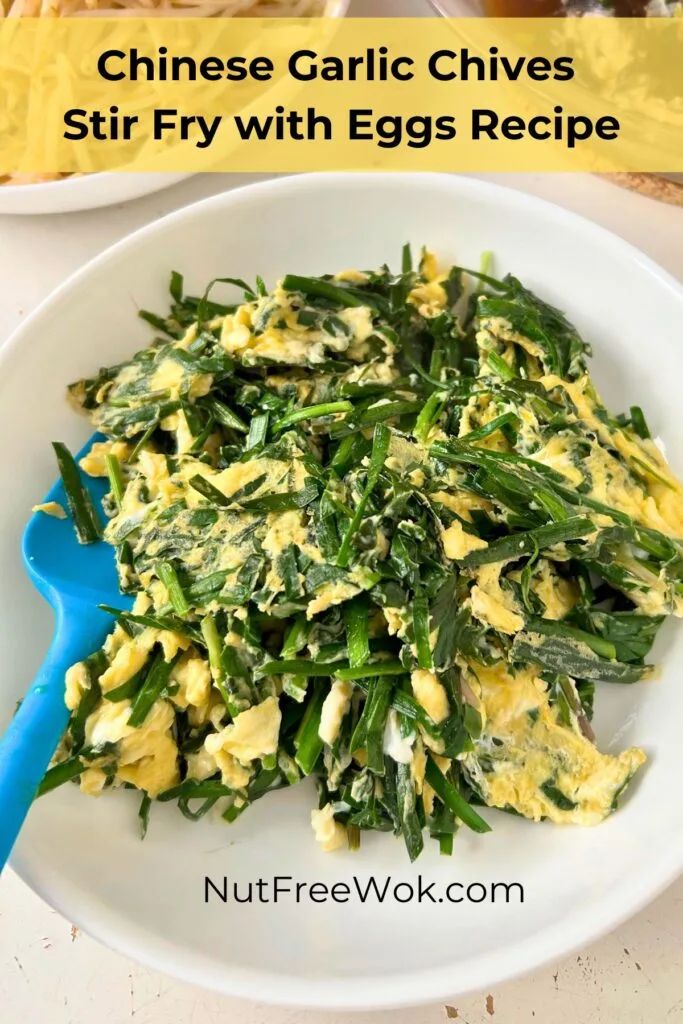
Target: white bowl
x=90, y=191
x=147, y=898
x=82, y=192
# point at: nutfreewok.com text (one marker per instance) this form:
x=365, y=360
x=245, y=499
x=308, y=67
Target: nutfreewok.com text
x=373, y=890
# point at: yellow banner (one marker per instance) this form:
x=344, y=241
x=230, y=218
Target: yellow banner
x=91, y=94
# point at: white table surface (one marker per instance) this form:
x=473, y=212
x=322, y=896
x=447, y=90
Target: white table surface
x=50, y=972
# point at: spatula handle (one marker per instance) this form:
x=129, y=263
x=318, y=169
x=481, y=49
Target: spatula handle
x=33, y=734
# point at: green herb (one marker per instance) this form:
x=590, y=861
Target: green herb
x=143, y=814
x=318, y=288
x=574, y=658
x=357, y=639
x=60, y=773
x=169, y=578
x=380, y=449
x=115, y=478
x=452, y=799
x=258, y=431
x=85, y=518
x=307, y=742
x=151, y=690
x=311, y=412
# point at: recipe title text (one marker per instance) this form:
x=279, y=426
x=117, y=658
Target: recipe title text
x=191, y=95
x=308, y=123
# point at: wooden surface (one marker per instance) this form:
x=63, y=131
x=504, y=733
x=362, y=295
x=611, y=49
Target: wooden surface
x=651, y=185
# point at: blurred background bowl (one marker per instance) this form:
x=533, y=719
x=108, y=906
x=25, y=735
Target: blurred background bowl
x=661, y=185
x=458, y=8
x=82, y=192
x=90, y=191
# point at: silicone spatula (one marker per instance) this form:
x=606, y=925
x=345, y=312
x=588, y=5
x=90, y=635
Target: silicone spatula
x=74, y=578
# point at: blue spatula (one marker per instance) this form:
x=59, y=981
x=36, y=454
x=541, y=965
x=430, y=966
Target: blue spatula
x=74, y=578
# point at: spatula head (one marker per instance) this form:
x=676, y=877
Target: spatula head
x=60, y=567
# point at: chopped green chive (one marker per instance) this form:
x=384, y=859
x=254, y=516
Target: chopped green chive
x=85, y=518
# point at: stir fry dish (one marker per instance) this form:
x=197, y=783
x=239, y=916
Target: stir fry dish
x=379, y=529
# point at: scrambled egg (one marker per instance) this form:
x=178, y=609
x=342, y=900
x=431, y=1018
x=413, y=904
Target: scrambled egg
x=50, y=508
x=430, y=297
x=76, y=682
x=268, y=330
x=331, y=594
x=94, y=463
x=253, y=734
x=329, y=832
x=457, y=543
x=146, y=756
x=493, y=605
x=430, y=694
x=397, y=746
x=132, y=654
x=557, y=594
x=335, y=707
x=192, y=676
x=528, y=761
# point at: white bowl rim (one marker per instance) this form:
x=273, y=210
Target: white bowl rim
x=383, y=991
x=80, y=193
x=58, y=185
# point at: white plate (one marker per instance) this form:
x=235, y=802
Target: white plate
x=147, y=899
x=82, y=192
